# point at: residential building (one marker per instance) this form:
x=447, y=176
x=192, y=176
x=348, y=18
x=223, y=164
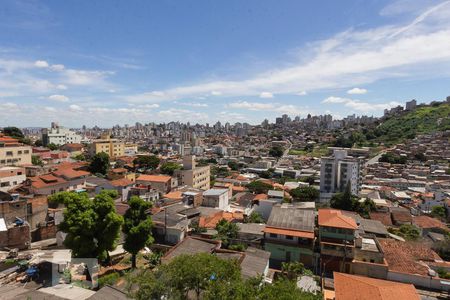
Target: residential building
x=289, y=235
x=337, y=240
x=218, y=198
x=411, y=105
x=337, y=171
x=193, y=176
x=59, y=136
x=11, y=177
x=161, y=183
x=13, y=153
x=112, y=147
x=352, y=287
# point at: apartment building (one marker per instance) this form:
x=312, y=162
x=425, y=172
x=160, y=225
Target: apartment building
x=112, y=147
x=337, y=171
x=193, y=176
x=11, y=177
x=161, y=183
x=218, y=198
x=289, y=235
x=13, y=153
x=59, y=135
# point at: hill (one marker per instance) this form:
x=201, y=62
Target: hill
x=422, y=120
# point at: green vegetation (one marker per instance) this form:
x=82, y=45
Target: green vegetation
x=438, y=212
x=169, y=168
x=92, y=227
x=226, y=231
x=52, y=146
x=109, y=279
x=422, y=120
x=147, y=162
x=305, y=194
x=99, y=163
x=137, y=227
x=276, y=151
x=311, y=151
x=79, y=157
x=13, y=132
x=254, y=217
x=259, y=187
x=443, y=247
x=36, y=160
x=347, y=201
x=407, y=231
x=205, y=276
x=393, y=158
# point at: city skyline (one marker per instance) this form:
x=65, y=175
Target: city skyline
x=202, y=62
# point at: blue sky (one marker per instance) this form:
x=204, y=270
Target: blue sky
x=115, y=62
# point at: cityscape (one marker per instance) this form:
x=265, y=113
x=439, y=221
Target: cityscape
x=323, y=177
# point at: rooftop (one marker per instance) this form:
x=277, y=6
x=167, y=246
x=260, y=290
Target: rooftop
x=154, y=178
x=335, y=218
x=291, y=217
x=215, y=192
x=345, y=286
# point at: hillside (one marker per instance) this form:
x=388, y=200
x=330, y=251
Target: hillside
x=424, y=119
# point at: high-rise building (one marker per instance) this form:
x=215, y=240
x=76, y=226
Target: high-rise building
x=193, y=176
x=59, y=135
x=112, y=147
x=337, y=171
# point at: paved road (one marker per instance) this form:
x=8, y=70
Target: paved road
x=374, y=159
x=285, y=153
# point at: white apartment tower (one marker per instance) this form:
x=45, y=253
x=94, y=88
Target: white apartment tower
x=59, y=136
x=336, y=172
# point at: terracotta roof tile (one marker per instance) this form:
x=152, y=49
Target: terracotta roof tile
x=345, y=286
x=154, y=178
x=121, y=182
x=297, y=233
x=428, y=222
x=335, y=218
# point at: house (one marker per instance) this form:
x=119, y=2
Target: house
x=289, y=235
x=276, y=195
x=218, y=198
x=353, y=287
x=13, y=153
x=400, y=216
x=11, y=177
x=337, y=234
x=428, y=224
x=161, y=183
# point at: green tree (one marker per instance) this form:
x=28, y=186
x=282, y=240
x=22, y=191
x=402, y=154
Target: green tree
x=305, y=194
x=36, y=160
x=292, y=270
x=52, y=146
x=407, y=231
x=344, y=201
x=259, y=187
x=13, y=132
x=137, y=227
x=254, y=217
x=438, y=212
x=146, y=162
x=226, y=231
x=79, y=157
x=169, y=168
x=99, y=163
x=276, y=151
x=38, y=143
x=92, y=227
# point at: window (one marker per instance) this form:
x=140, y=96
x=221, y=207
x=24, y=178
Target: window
x=289, y=237
x=273, y=235
x=9, y=153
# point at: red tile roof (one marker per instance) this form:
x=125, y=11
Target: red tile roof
x=297, y=233
x=43, y=181
x=405, y=257
x=154, y=178
x=383, y=217
x=335, y=218
x=211, y=221
x=121, y=182
x=353, y=287
x=428, y=222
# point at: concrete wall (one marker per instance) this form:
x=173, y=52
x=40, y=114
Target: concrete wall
x=16, y=237
x=420, y=281
x=369, y=269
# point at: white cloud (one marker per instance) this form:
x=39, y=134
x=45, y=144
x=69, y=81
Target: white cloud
x=57, y=67
x=61, y=87
x=302, y=93
x=59, y=98
x=41, y=64
x=50, y=109
x=266, y=95
x=359, y=106
x=216, y=93
x=258, y=106
x=182, y=114
x=346, y=59
x=193, y=104
x=75, y=108
x=357, y=91
x=8, y=106
x=84, y=78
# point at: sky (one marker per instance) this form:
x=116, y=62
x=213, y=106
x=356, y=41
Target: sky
x=119, y=62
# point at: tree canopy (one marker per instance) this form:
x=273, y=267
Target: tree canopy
x=137, y=227
x=276, y=151
x=100, y=163
x=259, y=187
x=438, y=212
x=226, y=231
x=147, y=162
x=36, y=160
x=169, y=168
x=92, y=227
x=208, y=277
x=305, y=194
x=254, y=217
x=393, y=158
x=13, y=132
